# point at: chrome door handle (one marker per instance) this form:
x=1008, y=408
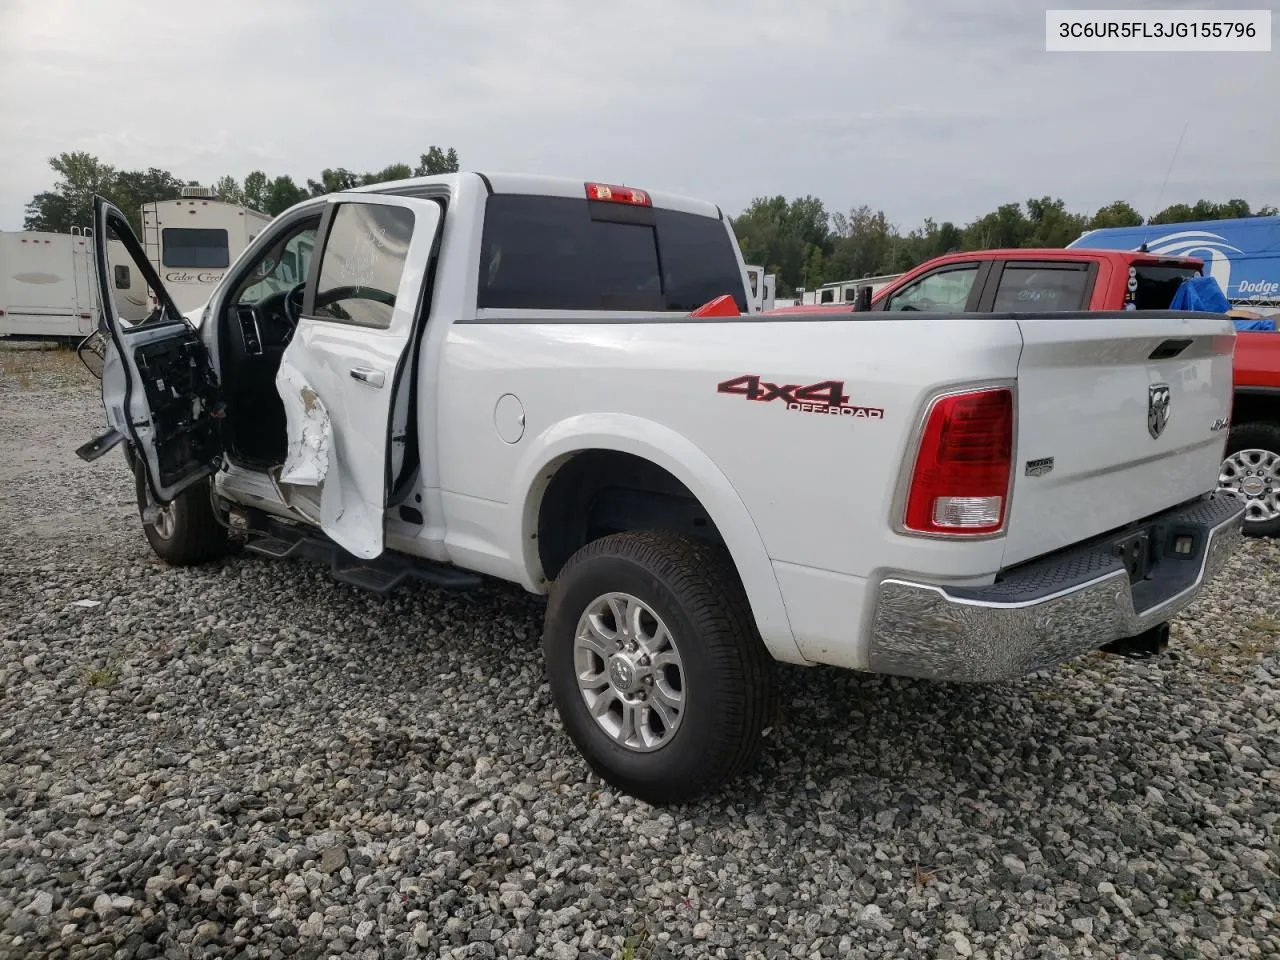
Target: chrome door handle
x=374, y=378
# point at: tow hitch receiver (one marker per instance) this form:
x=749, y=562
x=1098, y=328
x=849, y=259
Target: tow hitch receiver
x=1149, y=643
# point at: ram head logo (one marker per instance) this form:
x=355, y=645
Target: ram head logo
x=1157, y=409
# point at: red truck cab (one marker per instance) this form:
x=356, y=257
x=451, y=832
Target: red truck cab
x=1042, y=280
x=1030, y=280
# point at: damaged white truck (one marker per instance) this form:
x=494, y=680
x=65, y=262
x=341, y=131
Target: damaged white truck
x=563, y=385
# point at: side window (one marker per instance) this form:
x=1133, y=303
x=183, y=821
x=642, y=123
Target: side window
x=1031, y=288
x=121, y=272
x=362, y=263
x=946, y=291
x=828, y=296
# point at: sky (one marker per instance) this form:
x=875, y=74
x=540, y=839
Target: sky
x=938, y=109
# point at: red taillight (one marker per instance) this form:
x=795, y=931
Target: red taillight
x=960, y=484
x=609, y=193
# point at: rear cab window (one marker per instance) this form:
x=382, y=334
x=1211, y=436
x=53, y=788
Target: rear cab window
x=1157, y=284
x=1041, y=287
x=561, y=253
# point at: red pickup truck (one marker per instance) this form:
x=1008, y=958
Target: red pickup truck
x=1040, y=280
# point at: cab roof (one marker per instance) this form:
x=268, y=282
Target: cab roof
x=573, y=188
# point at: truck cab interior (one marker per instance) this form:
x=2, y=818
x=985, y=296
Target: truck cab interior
x=260, y=314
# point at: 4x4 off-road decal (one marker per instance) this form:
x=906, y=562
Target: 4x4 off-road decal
x=827, y=397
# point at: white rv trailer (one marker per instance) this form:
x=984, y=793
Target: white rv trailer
x=762, y=288
x=845, y=291
x=49, y=287
x=191, y=241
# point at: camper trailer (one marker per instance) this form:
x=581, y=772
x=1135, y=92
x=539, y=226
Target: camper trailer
x=49, y=288
x=192, y=240
x=843, y=291
x=761, y=287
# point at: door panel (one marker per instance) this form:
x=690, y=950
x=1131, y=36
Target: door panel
x=159, y=390
x=340, y=373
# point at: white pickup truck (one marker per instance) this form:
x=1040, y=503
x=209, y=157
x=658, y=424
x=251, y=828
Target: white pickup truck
x=561, y=384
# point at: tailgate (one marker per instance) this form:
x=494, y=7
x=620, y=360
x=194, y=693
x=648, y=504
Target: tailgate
x=1131, y=408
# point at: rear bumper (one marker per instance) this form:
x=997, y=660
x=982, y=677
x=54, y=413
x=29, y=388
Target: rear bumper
x=1052, y=609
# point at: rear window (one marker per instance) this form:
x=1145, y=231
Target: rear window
x=556, y=253
x=1157, y=285
x=1027, y=288
x=191, y=247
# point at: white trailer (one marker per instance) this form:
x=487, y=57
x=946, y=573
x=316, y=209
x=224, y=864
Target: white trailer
x=761, y=287
x=845, y=291
x=49, y=288
x=191, y=241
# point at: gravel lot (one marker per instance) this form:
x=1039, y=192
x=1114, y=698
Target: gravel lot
x=250, y=760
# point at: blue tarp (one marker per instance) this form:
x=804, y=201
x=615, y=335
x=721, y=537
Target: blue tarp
x=1243, y=254
x=1264, y=323
x=1200, y=293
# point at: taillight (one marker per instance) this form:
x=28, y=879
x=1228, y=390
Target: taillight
x=960, y=484
x=611, y=194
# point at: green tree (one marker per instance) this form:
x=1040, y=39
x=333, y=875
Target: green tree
x=1006, y=226
x=791, y=240
x=436, y=161
x=70, y=202
x=228, y=189
x=397, y=171
x=1051, y=225
x=82, y=175
x=333, y=180
x=1207, y=210
x=1117, y=214
x=282, y=194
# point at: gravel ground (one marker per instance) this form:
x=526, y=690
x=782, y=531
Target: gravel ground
x=250, y=760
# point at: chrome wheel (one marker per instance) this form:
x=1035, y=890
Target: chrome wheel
x=629, y=672
x=1254, y=475
x=164, y=522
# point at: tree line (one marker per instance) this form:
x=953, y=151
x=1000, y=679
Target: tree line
x=799, y=241
x=806, y=246
x=80, y=175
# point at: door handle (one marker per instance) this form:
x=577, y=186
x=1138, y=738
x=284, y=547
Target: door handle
x=374, y=378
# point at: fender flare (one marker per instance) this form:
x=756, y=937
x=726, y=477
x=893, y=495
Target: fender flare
x=681, y=458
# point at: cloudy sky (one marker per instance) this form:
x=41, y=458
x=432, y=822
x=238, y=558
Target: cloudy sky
x=940, y=109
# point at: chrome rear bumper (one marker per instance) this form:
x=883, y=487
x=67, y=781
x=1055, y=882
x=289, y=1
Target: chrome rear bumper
x=1052, y=609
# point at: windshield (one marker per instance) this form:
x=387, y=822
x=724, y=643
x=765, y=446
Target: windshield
x=283, y=267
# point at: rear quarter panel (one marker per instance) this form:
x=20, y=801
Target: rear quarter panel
x=818, y=487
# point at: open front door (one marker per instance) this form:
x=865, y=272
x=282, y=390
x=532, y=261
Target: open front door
x=159, y=389
x=345, y=371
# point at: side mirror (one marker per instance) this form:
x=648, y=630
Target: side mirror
x=862, y=301
x=92, y=352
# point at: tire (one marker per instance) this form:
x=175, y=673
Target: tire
x=726, y=676
x=1255, y=446
x=191, y=534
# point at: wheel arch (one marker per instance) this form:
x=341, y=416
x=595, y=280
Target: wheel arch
x=683, y=461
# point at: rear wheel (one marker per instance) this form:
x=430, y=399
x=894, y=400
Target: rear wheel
x=1252, y=470
x=184, y=532
x=655, y=665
